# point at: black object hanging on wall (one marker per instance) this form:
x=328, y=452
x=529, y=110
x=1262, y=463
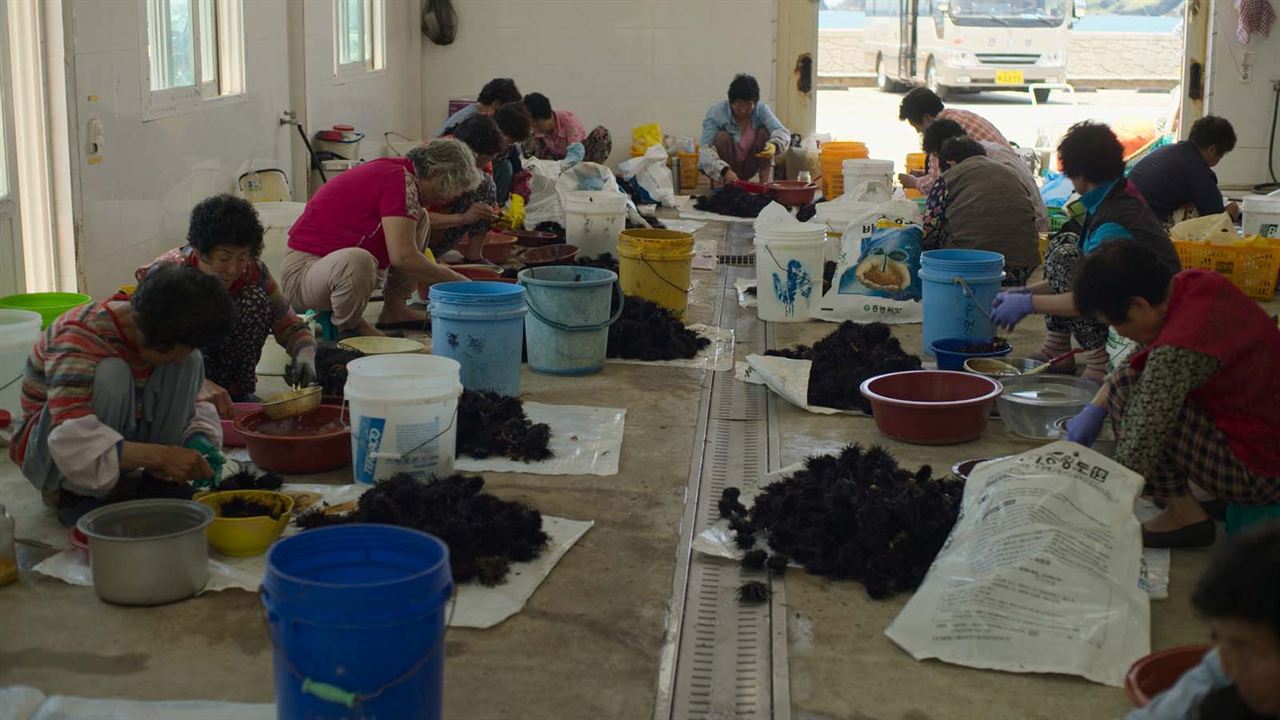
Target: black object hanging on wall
x=439, y=21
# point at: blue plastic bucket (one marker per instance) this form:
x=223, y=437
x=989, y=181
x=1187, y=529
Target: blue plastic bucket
x=949, y=356
x=357, y=616
x=567, y=328
x=948, y=311
x=479, y=324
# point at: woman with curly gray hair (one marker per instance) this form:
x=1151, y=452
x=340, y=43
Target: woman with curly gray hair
x=370, y=220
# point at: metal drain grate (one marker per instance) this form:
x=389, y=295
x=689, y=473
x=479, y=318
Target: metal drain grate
x=721, y=658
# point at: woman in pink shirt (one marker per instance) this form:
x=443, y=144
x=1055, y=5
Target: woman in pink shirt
x=555, y=130
x=368, y=220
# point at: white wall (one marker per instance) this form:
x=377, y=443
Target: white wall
x=617, y=63
x=389, y=100
x=135, y=203
x=1248, y=105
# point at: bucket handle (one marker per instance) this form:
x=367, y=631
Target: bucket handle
x=347, y=698
x=968, y=292
x=660, y=276
x=400, y=456
x=617, y=295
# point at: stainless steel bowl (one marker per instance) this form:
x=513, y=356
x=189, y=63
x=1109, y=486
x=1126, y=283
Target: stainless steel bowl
x=1022, y=364
x=1031, y=405
x=148, y=552
x=1105, y=444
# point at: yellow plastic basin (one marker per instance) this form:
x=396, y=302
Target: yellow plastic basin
x=244, y=537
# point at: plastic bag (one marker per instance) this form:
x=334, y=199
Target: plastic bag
x=544, y=200
x=1056, y=191
x=877, y=274
x=644, y=137
x=683, y=144
x=1040, y=572
x=1213, y=229
x=652, y=174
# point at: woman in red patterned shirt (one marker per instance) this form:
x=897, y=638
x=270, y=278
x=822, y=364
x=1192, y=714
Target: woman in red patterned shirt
x=224, y=239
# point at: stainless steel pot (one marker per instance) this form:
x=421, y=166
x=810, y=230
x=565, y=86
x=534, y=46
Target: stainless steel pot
x=148, y=552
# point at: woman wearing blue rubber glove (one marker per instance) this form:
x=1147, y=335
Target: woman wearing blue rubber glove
x=1087, y=424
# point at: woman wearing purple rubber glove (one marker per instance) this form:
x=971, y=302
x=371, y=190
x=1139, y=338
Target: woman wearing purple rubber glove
x=1197, y=401
x=1108, y=210
x=1087, y=424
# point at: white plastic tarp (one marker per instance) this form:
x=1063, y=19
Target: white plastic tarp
x=585, y=440
x=477, y=606
x=1039, y=573
x=717, y=356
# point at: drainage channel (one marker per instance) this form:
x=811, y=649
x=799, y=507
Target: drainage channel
x=722, y=658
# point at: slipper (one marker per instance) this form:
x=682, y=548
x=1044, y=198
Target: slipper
x=418, y=325
x=1195, y=535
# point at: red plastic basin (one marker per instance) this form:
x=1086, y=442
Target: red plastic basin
x=533, y=238
x=793, y=193
x=931, y=407
x=549, y=255
x=1157, y=672
x=230, y=436
x=321, y=441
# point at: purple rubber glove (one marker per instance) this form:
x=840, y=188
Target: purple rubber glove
x=1085, y=426
x=1010, y=307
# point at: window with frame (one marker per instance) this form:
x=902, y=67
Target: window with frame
x=194, y=51
x=359, y=36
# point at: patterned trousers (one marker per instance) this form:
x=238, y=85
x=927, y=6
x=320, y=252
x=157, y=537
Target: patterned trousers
x=1060, y=267
x=1196, y=451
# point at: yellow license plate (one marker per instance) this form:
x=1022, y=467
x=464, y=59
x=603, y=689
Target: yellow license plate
x=1009, y=77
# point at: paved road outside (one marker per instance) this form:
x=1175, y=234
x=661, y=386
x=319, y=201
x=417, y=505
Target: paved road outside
x=871, y=116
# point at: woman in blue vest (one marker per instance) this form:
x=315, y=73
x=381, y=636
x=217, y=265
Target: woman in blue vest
x=1110, y=209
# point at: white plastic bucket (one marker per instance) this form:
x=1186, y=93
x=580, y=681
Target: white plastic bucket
x=1261, y=215
x=788, y=271
x=593, y=220
x=19, y=330
x=404, y=414
x=867, y=180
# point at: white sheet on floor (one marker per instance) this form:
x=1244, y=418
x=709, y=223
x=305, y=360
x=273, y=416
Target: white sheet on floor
x=27, y=703
x=717, y=356
x=789, y=379
x=684, y=204
x=585, y=440
x=477, y=606
x=689, y=226
x=1038, y=573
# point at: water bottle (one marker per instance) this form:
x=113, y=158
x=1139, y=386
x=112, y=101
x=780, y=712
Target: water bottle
x=8, y=552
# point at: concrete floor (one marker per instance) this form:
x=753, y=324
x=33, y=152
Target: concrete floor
x=586, y=645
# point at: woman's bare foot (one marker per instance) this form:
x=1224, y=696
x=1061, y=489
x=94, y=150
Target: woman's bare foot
x=365, y=329
x=1179, y=512
x=400, y=313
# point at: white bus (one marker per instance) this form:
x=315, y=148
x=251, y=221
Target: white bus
x=970, y=44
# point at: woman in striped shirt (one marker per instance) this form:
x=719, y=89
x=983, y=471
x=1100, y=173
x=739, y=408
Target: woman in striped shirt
x=111, y=388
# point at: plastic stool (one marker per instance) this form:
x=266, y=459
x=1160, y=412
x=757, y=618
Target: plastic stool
x=1240, y=517
x=321, y=324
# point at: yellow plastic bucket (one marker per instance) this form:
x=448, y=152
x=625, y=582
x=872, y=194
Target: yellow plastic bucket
x=656, y=265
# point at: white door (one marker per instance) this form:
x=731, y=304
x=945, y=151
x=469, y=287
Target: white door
x=12, y=277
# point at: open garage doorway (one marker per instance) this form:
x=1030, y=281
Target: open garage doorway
x=1031, y=67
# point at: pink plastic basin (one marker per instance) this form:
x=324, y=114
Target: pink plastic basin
x=231, y=437
x=931, y=407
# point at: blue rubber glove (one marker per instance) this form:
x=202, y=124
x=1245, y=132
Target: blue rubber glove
x=1085, y=426
x=212, y=455
x=1010, y=307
